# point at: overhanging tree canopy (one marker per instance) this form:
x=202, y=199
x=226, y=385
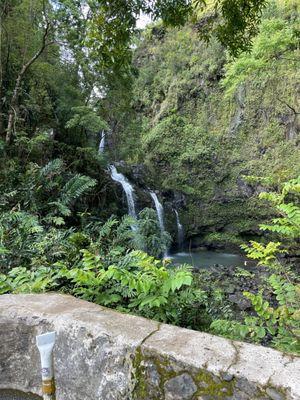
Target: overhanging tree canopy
x=98, y=35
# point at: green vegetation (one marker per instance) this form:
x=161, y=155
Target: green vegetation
x=187, y=112
x=148, y=235
x=282, y=321
x=200, y=113
x=134, y=283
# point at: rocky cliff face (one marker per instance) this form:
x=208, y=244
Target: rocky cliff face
x=204, y=123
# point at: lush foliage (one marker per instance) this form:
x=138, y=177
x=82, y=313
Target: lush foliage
x=200, y=113
x=131, y=282
x=188, y=119
x=282, y=320
x=148, y=235
x=34, y=213
x=288, y=222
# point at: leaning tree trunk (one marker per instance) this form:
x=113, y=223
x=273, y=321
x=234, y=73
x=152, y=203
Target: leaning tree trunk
x=12, y=114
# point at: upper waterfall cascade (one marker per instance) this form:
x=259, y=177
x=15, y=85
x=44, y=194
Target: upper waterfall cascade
x=127, y=187
x=102, y=143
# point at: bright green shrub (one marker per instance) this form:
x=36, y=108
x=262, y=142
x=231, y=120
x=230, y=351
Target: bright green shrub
x=136, y=283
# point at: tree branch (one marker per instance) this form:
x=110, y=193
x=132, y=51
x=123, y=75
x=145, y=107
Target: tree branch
x=286, y=104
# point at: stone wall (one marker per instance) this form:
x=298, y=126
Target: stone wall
x=103, y=354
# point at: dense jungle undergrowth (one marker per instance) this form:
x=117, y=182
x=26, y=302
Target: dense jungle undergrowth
x=201, y=107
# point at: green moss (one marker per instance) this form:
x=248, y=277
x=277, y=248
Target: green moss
x=163, y=367
x=138, y=376
x=206, y=382
x=210, y=385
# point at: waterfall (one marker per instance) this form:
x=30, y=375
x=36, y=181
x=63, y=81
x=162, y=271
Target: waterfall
x=127, y=187
x=160, y=215
x=159, y=211
x=180, y=232
x=102, y=143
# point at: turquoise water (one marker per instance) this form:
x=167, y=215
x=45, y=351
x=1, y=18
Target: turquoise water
x=207, y=258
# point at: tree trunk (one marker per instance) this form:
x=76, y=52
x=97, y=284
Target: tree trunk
x=12, y=114
x=13, y=103
x=1, y=114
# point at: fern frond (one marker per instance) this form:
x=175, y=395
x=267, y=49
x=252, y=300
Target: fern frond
x=53, y=167
x=76, y=187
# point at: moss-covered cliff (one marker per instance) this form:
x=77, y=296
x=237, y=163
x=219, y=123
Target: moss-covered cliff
x=204, y=121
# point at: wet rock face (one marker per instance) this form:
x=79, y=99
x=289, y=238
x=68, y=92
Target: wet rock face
x=179, y=201
x=139, y=174
x=244, y=189
x=101, y=354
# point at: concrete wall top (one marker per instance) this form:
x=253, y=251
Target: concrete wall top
x=104, y=354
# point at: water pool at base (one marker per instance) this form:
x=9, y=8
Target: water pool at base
x=207, y=258
x=16, y=395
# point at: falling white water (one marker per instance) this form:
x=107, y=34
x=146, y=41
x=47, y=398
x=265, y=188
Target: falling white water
x=159, y=211
x=180, y=232
x=102, y=143
x=127, y=187
x=160, y=215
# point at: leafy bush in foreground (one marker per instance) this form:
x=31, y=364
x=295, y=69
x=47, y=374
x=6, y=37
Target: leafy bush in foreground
x=136, y=283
